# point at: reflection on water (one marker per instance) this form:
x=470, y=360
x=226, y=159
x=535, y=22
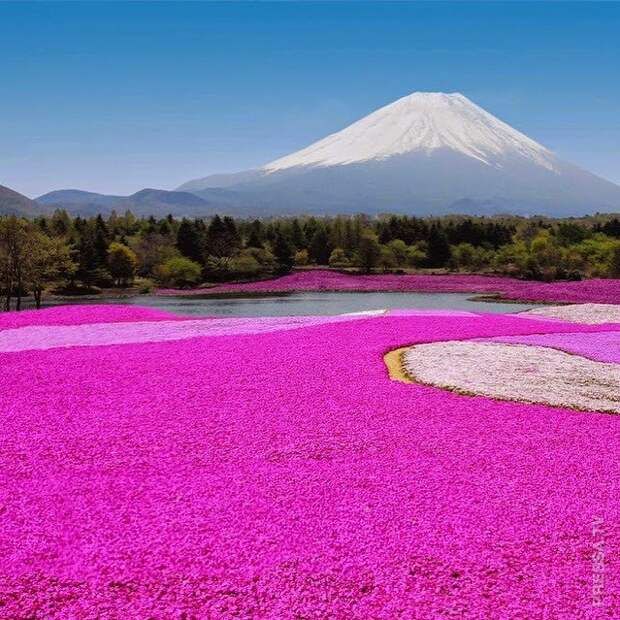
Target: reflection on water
x=313, y=303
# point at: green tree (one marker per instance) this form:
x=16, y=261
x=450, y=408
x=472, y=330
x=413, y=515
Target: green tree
x=100, y=242
x=122, y=262
x=255, y=238
x=463, y=255
x=15, y=245
x=438, y=253
x=152, y=249
x=614, y=263
x=400, y=251
x=298, y=238
x=369, y=251
x=90, y=270
x=283, y=254
x=416, y=254
x=263, y=257
x=387, y=259
x=49, y=260
x=189, y=241
x=545, y=256
x=60, y=223
x=319, y=249
x=30, y=260
x=512, y=259
x=223, y=242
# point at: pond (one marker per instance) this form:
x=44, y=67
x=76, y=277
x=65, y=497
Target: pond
x=310, y=303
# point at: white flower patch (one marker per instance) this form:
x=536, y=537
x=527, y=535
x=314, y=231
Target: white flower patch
x=579, y=313
x=524, y=373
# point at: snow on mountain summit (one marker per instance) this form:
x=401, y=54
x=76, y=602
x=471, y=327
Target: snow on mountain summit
x=421, y=122
x=425, y=154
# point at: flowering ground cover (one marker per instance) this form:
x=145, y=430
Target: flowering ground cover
x=595, y=290
x=282, y=474
x=601, y=347
x=97, y=334
x=580, y=313
x=82, y=315
x=521, y=372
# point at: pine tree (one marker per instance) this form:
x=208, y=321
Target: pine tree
x=283, y=253
x=319, y=249
x=438, y=247
x=255, y=239
x=298, y=237
x=101, y=242
x=189, y=242
x=369, y=251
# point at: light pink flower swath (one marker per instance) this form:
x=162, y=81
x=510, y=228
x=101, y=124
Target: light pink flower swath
x=284, y=475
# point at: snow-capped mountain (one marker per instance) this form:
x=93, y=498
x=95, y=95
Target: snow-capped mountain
x=427, y=153
x=421, y=122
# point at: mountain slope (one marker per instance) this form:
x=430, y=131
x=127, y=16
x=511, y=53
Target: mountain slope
x=14, y=203
x=421, y=122
x=427, y=153
x=78, y=197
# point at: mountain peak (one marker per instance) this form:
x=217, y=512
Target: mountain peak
x=422, y=122
x=438, y=96
x=425, y=153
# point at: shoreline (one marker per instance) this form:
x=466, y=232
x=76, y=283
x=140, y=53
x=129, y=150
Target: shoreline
x=484, y=288
x=104, y=297
x=480, y=288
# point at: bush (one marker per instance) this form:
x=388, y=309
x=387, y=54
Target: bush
x=179, y=271
x=245, y=265
x=338, y=258
x=416, y=254
x=301, y=258
x=369, y=251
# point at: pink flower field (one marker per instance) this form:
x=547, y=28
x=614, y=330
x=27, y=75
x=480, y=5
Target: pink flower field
x=157, y=467
x=595, y=291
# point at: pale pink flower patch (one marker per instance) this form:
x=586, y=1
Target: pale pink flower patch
x=520, y=372
x=601, y=346
x=580, y=313
x=99, y=334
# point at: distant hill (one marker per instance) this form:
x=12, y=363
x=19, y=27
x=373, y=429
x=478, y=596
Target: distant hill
x=156, y=202
x=78, y=197
x=78, y=202
x=14, y=203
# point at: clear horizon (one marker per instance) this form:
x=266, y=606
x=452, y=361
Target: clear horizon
x=115, y=97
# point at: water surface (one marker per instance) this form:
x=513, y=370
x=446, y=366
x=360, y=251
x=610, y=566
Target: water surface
x=312, y=303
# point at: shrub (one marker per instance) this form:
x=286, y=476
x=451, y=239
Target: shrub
x=338, y=258
x=301, y=258
x=179, y=271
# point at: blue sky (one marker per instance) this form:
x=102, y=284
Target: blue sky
x=114, y=97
